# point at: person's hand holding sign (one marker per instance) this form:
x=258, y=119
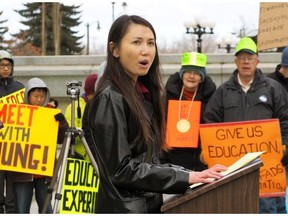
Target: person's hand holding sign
x=59, y=117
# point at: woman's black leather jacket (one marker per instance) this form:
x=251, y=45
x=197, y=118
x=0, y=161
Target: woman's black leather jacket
x=128, y=183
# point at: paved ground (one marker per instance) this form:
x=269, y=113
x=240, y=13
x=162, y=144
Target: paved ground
x=34, y=207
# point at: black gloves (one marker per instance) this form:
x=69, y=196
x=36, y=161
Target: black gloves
x=59, y=117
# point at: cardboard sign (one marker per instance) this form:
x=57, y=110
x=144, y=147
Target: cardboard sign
x=28, y=139
x=225, y=143
x=15, y=97
x=273, y=25
x=176, y=138
x=80, y=187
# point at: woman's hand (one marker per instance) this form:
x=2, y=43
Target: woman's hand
x=208, y=175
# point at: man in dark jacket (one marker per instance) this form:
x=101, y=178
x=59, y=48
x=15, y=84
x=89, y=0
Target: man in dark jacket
x=7, y=86
x=281, y=75
x=281, y=72
x=249, y=95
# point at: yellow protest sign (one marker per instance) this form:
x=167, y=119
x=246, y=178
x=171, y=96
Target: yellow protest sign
x=28, y=139
x=15, y=97
x=225, y=143
x=80, y=187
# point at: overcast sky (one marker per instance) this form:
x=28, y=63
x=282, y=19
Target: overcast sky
x=167, y=16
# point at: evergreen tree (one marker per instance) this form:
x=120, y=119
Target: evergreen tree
x=49, y=27
x=3, y=30
x=66, y=30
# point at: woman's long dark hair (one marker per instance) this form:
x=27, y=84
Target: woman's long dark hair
x=152, y=81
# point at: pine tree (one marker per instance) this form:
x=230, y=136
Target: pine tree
x=3, y=30
x=53, y=21
x=66, y=30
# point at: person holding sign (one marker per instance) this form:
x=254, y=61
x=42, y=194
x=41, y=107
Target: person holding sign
x=190, y=84
x=249, y=95
x=53, y=103
x=127, y=124
x=38, y=94
x=8, y=86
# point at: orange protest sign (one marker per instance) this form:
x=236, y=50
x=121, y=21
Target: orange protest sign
x=182, y=128
x=225, y=143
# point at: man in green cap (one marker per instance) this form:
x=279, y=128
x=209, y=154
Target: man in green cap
x=249, y=95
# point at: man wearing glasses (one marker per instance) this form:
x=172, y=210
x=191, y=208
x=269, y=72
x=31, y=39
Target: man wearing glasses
x=249, y=95
x=7, y=86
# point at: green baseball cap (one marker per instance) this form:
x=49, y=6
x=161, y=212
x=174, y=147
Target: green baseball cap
x=194, y=59
x=246, y=44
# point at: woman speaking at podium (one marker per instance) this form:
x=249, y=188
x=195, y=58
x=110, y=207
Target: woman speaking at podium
x=126, y=120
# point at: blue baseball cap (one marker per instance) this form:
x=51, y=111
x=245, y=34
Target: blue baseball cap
x=284, y=59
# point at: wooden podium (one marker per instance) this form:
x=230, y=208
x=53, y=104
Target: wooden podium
x=237, y=192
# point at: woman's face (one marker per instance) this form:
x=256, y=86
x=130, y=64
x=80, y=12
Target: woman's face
x=191, y=80
x=136, y=51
